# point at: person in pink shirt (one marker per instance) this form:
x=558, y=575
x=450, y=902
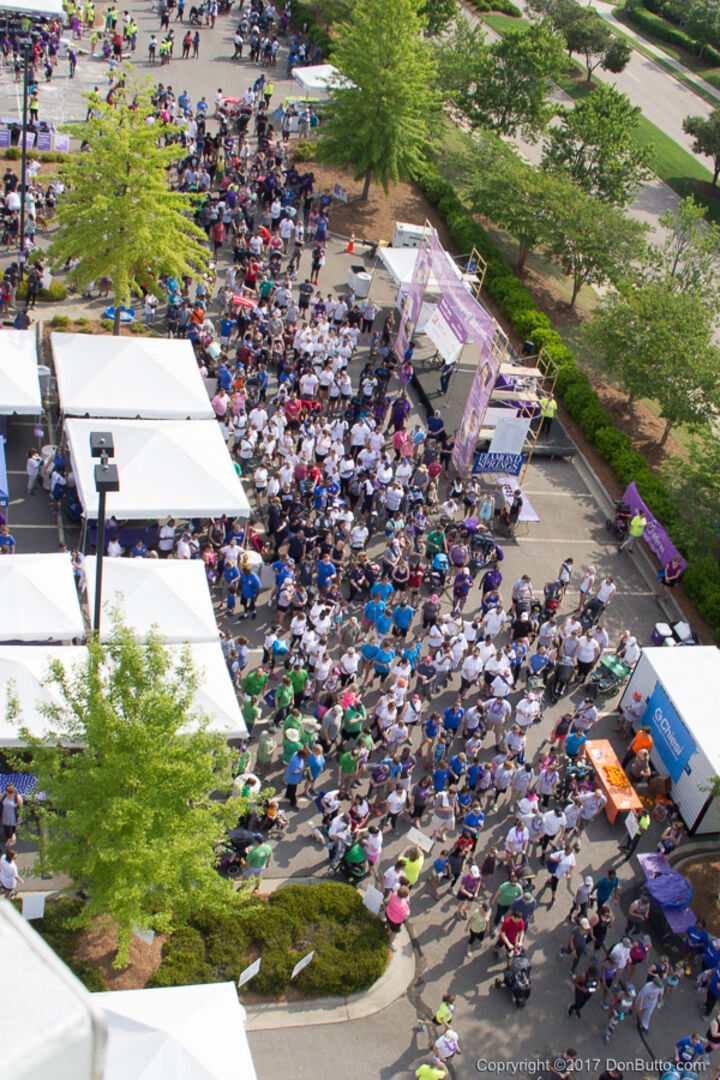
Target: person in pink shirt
x=397, y=910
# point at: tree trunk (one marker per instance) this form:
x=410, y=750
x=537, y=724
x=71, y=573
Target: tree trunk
x=366, y=187
x=716, y=172
x=577, y=285
x=116, y=323
x=666, y=432
x=631, y=397
x=523, y=253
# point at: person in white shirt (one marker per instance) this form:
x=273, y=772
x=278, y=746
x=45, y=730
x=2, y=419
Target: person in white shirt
x=592, y=803
x=395, y=804
x=494, y=622
x=560, y=865
x=308, y=384
x=606, y=591
x=527, y=710
x=166, y=537
x=231, y=552
x=358, y=536
x=183, y=549
x=471, y=670
x=554, y=824
x=9, y=875
x=114, y=548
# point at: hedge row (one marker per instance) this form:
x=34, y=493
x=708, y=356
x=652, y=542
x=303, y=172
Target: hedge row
x=659, y=26
x=62, y=937
x=702, y=577
x=501, y=7
x=304, y=20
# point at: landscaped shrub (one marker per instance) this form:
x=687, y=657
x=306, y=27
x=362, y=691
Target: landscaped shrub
x=660, y=27
x=350, y=944
x=107, y=324
x=304, y=150
x=60, y=320
x=55, y=294
x=504, y=7
x=55, y=927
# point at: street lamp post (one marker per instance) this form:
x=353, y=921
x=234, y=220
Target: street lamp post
x=23, y=145
x=106, y=479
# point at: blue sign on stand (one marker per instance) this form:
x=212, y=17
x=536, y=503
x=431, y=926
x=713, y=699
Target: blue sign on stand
x=672, y=740
x=503, y=464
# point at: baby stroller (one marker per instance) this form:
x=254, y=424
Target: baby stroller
x=591, y=613
x=552, y=592
x=353, y=865
x=607, y=679
x=516, y=979
x=560, y=680
x=619, y=524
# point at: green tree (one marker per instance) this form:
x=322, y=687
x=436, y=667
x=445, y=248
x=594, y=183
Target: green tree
x=705, y=130
x=701, y=20
x=590, y=35
x=118, y=215
x=689, y=256
x=694, y=483
x=595, y=146
x=514, y=195
x=381, y=123
x=594, y=243
x=132, y=822
x=438, y=15
x=504, y=86
x=328, y=12
x=659, y=344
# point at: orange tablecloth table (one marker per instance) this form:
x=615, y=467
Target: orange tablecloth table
x=600, y=754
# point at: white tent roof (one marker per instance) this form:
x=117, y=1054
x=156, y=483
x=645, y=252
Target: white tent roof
x=686, y=674
x=167, y=467
x=38, y=599
x=319, y=79
x=179, y=1032
x=170, y=595
x=152, y=378
x=23, y=677
x=19, y=384
x=400, y=262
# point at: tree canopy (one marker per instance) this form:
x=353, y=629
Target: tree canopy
x=118, y=216
x=438, y=14
x=594, y=146
x=705, y=130
x=659, y=343
x=689, y=256
x=593, y=241
x=589, y=34
x=503, y=86
x=381, y=125
x=131, y=821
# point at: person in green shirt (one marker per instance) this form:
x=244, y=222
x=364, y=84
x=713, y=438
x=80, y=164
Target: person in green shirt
x=347, y=770
x=435, y=543
x=254, y=682
x=505, y=896
x=250, y=711
x=434, y=1070
x=256, y=860
x=299, y=678
x=353, y=719
x=293, y=720
x=283, y=699
x=265, y=750
x=414, y=862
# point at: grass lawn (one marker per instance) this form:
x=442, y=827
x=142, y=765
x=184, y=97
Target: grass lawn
x=502, y=23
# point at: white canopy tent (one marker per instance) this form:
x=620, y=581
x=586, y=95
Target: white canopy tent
x=151, y=378
x=170, y=595
x=23, y=679
x=38, y=599
x=317, y=81
x=183, y=1032
x=19, y=383
x=167, y=467
x=400, y=263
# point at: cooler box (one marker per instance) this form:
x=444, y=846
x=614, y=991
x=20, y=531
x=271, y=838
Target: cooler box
x=683, y=631
x=407, y=235
x=359, y=280
x=661, y=633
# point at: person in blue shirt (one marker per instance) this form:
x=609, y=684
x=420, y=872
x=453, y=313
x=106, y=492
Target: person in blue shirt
x=372, y=609
x=283, y=569
x=441, y=777
x=326, y=573
x=411, y=652
x=439, y=871
x=473, y=822
x=441, y=565
x=474, y=772
x=294, y=774
x=227, y=326
x=383, y=624
x=224, y=377
x=453, y=716
x=231, y=574
x=574, y=743
x=697, y=938
x=605, y=887
x=713, y=993
x=458, y=765
x=402, y=617
x=138, y=550
x=382, y=661
x=537, y=663
x=689, y=1049
x=250, y=586
x=382, y=589
x=711, y=955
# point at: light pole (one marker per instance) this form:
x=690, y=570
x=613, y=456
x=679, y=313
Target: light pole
x=27, y=45
x=106, y=479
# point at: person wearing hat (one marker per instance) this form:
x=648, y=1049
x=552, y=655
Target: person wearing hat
x=645, y=1003
x=632, y=711
x=295, y=770
x=291, y=744
x=468, y=888
x=582, y=898
x=578, y=942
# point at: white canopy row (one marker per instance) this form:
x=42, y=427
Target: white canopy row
x=19, y=383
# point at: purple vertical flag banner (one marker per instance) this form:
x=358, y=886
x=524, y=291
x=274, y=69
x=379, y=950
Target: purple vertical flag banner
x=655, y=536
